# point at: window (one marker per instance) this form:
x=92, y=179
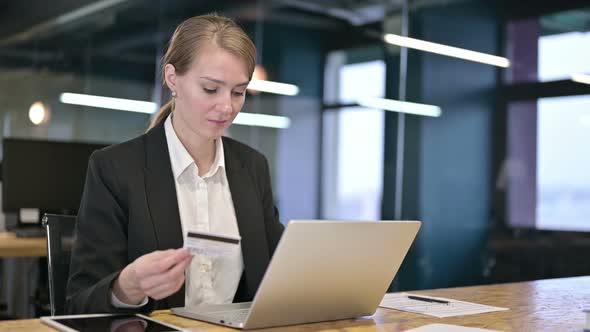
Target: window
x=547, y=169
x=353, y=144
x=550, y=47
x=563, y=169
x=562, y=54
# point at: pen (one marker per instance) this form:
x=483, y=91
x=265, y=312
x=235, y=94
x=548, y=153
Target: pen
x=426, y=299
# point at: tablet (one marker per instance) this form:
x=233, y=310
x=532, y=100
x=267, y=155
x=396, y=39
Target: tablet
x=107, y=322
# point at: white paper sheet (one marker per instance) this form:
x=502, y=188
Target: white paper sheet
x=448, y=328
x=400, y=301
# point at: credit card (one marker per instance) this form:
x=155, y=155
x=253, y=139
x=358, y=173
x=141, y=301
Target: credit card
x=210, y=244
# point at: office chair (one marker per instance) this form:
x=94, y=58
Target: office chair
x=60, y=238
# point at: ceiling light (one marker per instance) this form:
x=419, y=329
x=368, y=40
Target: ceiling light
x=259, y=73
x=274, y=87
x=401, y=106
x=38, y=113
x=581, y=78
x=262, y=120
x=248, y=119
x=109, y=102
x=446, y=50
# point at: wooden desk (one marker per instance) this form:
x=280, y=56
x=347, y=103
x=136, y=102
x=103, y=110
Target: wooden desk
x=545, y=305
x=12, y=246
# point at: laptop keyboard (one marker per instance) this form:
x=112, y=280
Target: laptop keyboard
x=238, y=316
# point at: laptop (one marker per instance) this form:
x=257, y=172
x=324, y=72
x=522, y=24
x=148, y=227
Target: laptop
x=321, y=271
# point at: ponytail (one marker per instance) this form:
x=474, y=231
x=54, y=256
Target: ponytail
x=162, y=114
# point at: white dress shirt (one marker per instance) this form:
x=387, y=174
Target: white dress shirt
x=205, y=204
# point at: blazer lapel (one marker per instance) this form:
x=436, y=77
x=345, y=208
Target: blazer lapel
x=248, y=209
x=161, y=197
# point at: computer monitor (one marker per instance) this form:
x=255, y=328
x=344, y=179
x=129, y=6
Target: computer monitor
x=44, y=175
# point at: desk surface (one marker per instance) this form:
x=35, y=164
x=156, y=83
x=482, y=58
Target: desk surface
x=544, y=305
x=12, y=246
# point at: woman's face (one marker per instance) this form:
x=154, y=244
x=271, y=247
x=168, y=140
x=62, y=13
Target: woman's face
x=211, y=93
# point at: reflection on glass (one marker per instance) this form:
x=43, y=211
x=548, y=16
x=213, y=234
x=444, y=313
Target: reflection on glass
x=128, y=325
x=112, y=323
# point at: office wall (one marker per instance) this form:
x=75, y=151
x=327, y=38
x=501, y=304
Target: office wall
x=447, y=180
x=298, y=148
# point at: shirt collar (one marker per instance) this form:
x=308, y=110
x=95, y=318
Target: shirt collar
x=180, y=159
x=219, y=161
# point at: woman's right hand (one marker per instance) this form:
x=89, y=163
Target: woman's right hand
x=158, y=275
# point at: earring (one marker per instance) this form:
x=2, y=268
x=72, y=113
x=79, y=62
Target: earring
x=174, y=94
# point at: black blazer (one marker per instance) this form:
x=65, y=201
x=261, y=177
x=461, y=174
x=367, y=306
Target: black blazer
x=129, y=208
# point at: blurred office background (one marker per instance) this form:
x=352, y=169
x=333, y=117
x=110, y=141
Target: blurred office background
x=499, y=178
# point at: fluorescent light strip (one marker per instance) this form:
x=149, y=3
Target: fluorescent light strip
x=581, y=78
x=274, y=87
x=446, y=50
x=108, y=102
x=248, y=119
x=262, y=120
x=401, y=106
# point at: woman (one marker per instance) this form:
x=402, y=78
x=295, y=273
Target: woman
x=141, y=196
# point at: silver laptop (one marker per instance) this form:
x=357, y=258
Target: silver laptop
x=321, y=270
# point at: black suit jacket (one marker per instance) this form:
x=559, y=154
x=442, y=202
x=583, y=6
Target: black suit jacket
x=129, y=208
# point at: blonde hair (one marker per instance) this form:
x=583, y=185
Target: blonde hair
x=192, y=36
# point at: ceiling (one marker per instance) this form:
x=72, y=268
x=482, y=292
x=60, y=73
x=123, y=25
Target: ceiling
x=74, y=21
x=566, y=21
x=75, y=35
x=124, y=35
